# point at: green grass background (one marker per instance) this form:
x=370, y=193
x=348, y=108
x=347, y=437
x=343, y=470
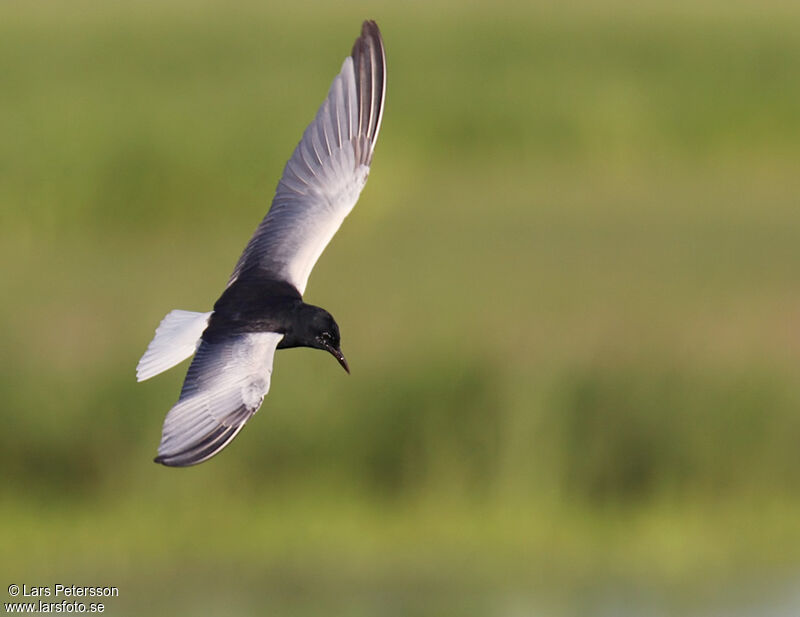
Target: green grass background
x=569, y=296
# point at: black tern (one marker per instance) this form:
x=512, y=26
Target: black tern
x=262, y=307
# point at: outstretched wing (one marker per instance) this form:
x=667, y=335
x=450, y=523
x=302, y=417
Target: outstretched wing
x=323, y=179
x=224, y=387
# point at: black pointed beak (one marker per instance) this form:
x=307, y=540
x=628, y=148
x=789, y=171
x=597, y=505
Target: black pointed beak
x=337, y=353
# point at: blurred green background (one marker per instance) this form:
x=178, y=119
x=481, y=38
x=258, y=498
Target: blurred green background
x=569, y=296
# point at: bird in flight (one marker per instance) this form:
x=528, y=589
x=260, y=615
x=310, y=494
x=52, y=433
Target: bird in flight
x=262, y=307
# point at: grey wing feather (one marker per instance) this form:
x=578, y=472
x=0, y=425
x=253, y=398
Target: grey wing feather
x=224, y=387
x=327, y=171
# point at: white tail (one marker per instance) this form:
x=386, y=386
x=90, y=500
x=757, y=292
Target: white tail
x=176, y=339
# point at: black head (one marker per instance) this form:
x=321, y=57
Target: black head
x=321, y=331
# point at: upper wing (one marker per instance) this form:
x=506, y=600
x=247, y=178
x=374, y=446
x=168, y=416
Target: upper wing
x=224, y=387
x=323, y=179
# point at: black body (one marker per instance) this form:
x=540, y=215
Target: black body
x=258, y=304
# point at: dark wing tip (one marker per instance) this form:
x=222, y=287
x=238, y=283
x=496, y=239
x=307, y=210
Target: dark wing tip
x=370, y=29
x=369, y=65
x=369, y=33
x=201, y=451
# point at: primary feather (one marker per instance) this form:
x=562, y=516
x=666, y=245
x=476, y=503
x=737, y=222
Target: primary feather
x=225, y=385
x=324, y=177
